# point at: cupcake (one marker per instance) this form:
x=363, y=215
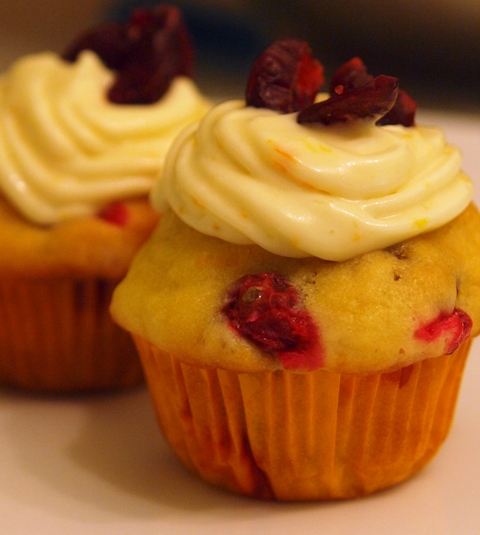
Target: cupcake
x=82, y=138
x=304, y=311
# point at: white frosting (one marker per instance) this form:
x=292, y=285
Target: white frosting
x=66, y=151
x=249, y=175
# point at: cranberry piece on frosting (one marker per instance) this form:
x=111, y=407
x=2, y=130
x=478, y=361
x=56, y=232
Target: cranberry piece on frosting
x=353, y=74
x=374, y=99
x=403, y=111
x=148, y=52
x=285, y=77
x=455, y=327
x=266, y=310
x=357, y=94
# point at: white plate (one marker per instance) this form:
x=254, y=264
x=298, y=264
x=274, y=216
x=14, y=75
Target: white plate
x=98, y=465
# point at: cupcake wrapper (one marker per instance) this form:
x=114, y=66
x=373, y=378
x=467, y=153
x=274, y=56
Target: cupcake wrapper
x=57, y=335
x=319, y=435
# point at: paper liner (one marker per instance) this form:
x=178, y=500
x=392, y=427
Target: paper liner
x=318, y=435
x=56, y=335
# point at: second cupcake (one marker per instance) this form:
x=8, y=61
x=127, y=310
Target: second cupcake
x=82, y=138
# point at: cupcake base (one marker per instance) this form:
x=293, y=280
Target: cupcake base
x=313, y=436
x=56, y=335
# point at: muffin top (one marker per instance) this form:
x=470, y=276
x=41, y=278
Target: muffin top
x=97, y=246
x=302, y=232
x=376, y=312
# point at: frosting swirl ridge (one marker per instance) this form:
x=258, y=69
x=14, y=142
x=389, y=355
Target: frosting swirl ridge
x=66, y=151
x=249, y=175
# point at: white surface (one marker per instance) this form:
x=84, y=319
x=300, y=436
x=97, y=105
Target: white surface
x=98, y=465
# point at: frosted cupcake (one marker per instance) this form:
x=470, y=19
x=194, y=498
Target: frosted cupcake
x=318, y=292
x=80, y=147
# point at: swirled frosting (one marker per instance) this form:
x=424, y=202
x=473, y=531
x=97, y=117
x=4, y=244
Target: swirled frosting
x=249, y=175
x=66, y=151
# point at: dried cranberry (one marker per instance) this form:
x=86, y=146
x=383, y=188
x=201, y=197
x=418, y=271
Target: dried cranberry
x=353, y=74
x=148, y=52
x=265, y=309
x=285, y=77
x=403, y=111
x=455, y=326
x=350, y=75
x=374, y=99
x=109, y=41
x=115, y=213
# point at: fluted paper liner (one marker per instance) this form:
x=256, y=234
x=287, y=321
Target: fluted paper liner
x=290, y=436
x=56, y=335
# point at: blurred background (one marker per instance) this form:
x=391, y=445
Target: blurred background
x=433, y=46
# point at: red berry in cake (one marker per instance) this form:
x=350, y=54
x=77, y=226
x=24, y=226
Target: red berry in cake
x=455, y=327
x=115, y=213
x=374, y=99
x=148, y=52
x=266, y=310
x=285, y=77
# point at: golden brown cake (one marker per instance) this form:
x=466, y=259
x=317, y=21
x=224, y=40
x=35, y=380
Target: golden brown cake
x=305, y=307
x=82, y=139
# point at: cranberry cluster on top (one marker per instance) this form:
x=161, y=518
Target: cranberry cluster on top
x=286, y=78
x=147, y=52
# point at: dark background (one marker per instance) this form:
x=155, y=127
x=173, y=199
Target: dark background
x=433, y=46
